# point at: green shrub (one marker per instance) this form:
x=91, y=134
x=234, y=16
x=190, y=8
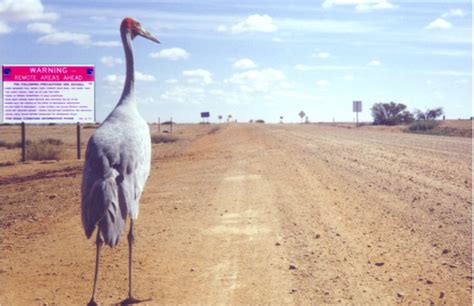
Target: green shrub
x=259, y=121
x=163, y=138
x=45, y=149
x=422, y=125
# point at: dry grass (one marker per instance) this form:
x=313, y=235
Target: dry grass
x=163, y=138
x=45, y=149
x=442, y=128
x=213, y=130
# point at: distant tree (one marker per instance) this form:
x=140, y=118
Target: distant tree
x=406, y=117
x=419, y=115
x=391, y=113
x=429, y=114
x=432, y=114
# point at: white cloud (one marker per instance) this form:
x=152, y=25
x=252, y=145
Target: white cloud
x=139, y=76
x=323, y=26
x=171, y=81
x=277, y=39
x=262, y=80
x=173, y=54
x=222, y=28
x=199, y=76
x=111, y=61
x=58, y=37
x=374, y=62
x=439, y=23
x=107, y=43
x=244, y=63
x=322, y=55
x=114, y=79
x=323, y=83
x=4, y=28
x=301, y=67
x=185, y=95
x=253, y=23
x=118, y=79
x=40, y=27
x=65, y=37
x=25, y=10
x=349, y=77
x=454, y=13
x=217, y=92
x=361, y=5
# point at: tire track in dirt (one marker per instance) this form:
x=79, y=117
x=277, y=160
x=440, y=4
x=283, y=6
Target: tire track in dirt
x=265, y=214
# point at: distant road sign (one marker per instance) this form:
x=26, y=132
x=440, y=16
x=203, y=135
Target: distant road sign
x=205, y=115
x=48, y=93
x=301, y=114
x=356, y=106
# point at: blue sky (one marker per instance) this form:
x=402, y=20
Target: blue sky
x=257, y=59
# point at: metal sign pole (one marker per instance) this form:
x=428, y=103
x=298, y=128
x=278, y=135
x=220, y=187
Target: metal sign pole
x=23, y=142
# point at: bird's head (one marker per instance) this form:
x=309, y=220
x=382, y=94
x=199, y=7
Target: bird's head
x=135, y=28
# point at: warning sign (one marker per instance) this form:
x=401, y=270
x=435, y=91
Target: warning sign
x=48, y=94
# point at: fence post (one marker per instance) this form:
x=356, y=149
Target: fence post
x=171, y=125
x=78, y=133
x=23, y=142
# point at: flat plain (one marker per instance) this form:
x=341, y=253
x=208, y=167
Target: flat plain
x=252, y=214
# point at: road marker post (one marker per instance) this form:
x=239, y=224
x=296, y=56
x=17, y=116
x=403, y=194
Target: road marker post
x=23, y=142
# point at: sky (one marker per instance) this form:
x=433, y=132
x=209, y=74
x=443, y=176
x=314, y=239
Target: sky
x=256, y=59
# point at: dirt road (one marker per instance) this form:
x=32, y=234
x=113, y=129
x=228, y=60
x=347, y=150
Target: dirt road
x=257, y=214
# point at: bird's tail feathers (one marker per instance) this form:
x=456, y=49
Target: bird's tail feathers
x=105, y=211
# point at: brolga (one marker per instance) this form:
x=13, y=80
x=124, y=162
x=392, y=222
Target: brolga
x=117, y=165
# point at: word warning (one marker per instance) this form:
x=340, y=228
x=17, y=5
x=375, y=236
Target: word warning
x=48, y=94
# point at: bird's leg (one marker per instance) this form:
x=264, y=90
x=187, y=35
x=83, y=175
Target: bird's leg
x=131, y=299
x=130, y=249
x=98, y=243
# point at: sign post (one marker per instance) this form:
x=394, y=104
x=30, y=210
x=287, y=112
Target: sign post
x=301, y=114
x=357, y=108
x=205, y=116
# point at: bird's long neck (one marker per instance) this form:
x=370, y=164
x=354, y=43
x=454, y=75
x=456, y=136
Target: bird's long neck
x=128, y=88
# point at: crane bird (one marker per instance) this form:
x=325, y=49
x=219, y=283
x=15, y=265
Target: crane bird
x=117, y=165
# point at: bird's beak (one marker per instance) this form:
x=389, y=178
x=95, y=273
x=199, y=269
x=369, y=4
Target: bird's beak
x=147, y=35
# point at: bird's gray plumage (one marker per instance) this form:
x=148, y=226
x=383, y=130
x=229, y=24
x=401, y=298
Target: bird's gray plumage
x=115, y=171
x=117, y=163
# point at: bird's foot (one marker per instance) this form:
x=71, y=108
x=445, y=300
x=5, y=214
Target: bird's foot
x=92, y=302
x=131, y=300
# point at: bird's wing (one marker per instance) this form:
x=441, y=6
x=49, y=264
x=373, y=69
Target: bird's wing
x=114, y=176
x=101, y=200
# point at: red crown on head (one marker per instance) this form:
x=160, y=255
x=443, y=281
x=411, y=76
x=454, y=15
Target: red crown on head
x=129, y=23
